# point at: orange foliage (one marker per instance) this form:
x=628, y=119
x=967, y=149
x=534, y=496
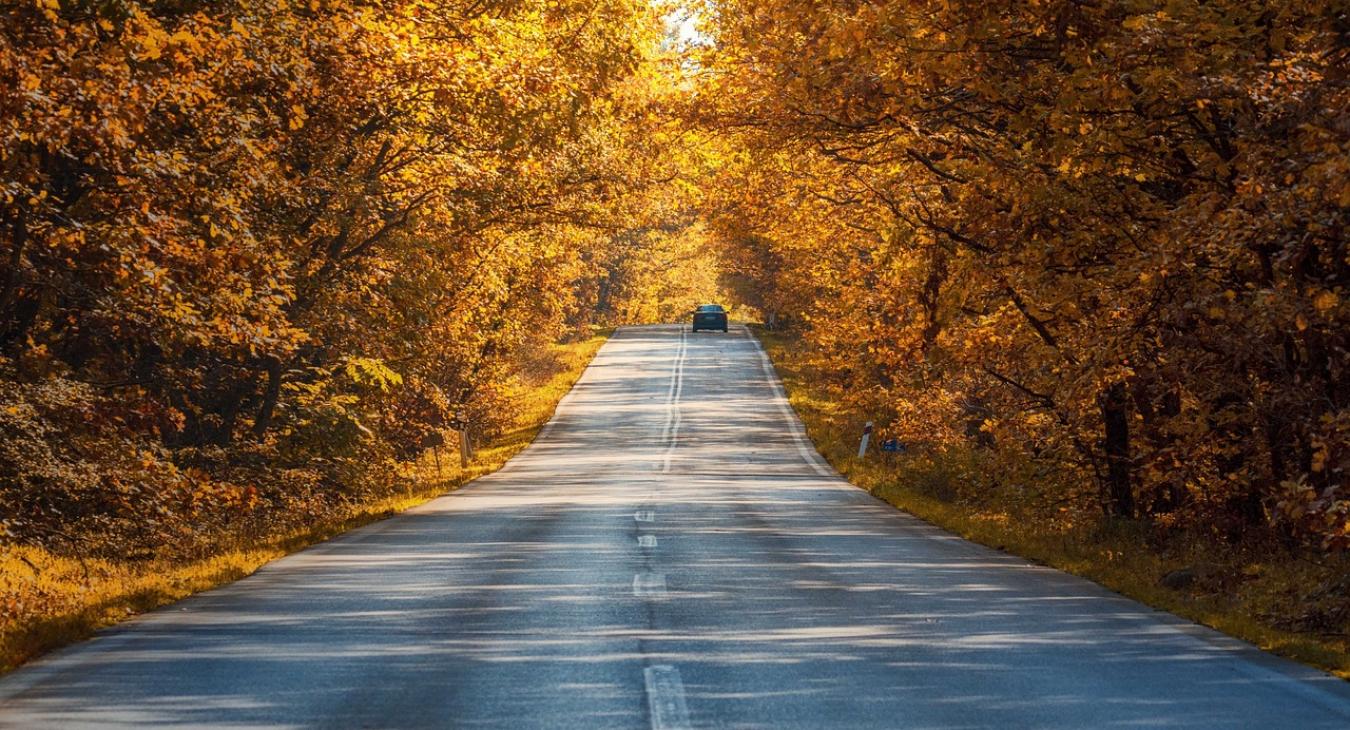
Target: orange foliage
x=255, y=253
x=1106, y=238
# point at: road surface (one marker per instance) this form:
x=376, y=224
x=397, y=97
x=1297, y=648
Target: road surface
x=669, y=553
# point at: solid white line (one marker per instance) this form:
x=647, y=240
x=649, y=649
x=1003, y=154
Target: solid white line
x=665, y=698
x=673, y=417
x=780, y=399
x=646, y=540
x=649, y=585
x=670, y=392
x=644, y=515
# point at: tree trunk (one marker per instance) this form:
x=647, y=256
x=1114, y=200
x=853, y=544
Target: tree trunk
x=1115, y=418
x=11, y=321
x=18, y=241
x=928, y=297
x=270, y=397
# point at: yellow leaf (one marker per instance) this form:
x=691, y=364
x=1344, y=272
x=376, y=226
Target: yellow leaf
x=1326, y=301
x=150, y=46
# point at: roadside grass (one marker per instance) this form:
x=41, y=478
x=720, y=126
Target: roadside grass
x=1256, y=591
x=47, y=601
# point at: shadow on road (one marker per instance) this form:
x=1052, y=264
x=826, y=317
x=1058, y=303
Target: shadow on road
x=788, y=601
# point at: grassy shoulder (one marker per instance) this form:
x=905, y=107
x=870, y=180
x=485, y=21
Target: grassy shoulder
x=1247, y=593
x=47, y=600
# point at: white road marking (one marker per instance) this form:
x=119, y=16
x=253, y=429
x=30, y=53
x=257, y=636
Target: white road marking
x=671, y=432
x=649, y=585
x=665, y=698
x=670, y=392
x=804, y=448
x=644, y=515
x=646, y=540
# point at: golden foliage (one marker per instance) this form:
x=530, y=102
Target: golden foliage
x=258, y=254
x=1106, y=238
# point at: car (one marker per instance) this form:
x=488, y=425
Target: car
x=710, y=317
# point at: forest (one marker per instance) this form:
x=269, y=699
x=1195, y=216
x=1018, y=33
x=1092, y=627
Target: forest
x=1102, y=242
x=260, y=255
x=258, y=252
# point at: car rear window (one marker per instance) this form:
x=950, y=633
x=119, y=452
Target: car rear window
x=710, y=308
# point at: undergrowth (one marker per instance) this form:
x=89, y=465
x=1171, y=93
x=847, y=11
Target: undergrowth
x=50, y=600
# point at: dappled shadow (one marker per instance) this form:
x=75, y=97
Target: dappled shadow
x=789, y=600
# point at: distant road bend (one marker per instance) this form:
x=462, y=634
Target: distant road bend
x=669, y=553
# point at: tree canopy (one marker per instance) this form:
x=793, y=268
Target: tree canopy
x=1108, y=239
x=258, y=252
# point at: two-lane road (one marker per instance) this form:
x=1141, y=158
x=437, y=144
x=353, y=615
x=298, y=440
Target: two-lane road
x=669, y=553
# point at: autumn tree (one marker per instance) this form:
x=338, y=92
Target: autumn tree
x=1106, y=239
x=256, y=252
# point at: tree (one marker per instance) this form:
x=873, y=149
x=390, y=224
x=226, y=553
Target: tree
x=270, y=247
x=1116, y=232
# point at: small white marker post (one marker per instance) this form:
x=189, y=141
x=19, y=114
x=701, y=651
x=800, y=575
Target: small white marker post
x=867, y=436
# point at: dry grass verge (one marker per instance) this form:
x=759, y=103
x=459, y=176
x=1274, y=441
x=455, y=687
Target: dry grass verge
x=1250, y=592
x=48, y=601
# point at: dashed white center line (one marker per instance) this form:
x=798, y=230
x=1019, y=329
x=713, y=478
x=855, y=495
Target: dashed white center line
x=665, y=698
x=649, y=585
x=665, y=691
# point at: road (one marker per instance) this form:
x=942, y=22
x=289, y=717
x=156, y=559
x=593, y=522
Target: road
x=669, y=553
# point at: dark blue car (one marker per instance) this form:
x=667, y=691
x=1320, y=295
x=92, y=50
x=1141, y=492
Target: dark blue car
x=710, y=317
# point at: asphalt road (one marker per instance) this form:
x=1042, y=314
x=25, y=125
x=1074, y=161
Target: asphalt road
x=669, y=553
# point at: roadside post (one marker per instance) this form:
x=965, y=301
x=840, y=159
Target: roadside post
x=867, y=436
x=433, y=441
x=465, y=447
